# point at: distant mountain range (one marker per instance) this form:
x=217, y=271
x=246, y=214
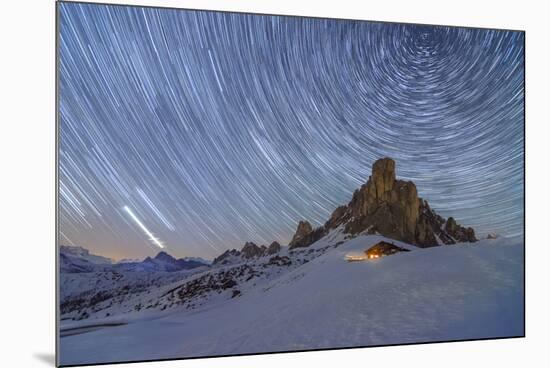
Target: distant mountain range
x=163, y=262
x=78, y=259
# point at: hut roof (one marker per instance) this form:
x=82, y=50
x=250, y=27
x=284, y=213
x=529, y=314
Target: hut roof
x=384, y=247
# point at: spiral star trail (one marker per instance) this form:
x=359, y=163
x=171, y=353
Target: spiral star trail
x=220, y=128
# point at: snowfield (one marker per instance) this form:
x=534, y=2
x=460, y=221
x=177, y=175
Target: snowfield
x=319, y=300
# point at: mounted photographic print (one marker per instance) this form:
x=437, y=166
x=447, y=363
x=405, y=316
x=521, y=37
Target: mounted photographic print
x=233, y=184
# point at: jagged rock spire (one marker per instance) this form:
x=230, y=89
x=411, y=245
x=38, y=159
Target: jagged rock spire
x=391, y=207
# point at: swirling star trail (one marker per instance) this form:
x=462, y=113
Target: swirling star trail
x=220, y=128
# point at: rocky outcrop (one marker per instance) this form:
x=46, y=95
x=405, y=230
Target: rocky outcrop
x=305, y=235
x=225, y=256
x=303, y=230
x=428, y=228
x=273, y=248
x=390, y=207
x=459, y=233
x=339, y=216
x=251, y=250
x=383, y=205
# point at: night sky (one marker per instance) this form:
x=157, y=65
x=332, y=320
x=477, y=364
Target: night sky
x=220, y=128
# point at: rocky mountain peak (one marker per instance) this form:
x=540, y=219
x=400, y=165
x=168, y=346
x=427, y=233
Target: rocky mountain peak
x=306, y=235
x=251, y=250
x=223, y=258
x=390, y=207
x=165, y=257
x=273, y=248
x=384, y=205
x=304, y=228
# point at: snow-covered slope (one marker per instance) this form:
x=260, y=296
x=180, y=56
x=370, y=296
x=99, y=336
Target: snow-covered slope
x=98, y=295
x=312, y=298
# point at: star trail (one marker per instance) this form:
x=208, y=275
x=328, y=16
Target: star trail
x=220, y=128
